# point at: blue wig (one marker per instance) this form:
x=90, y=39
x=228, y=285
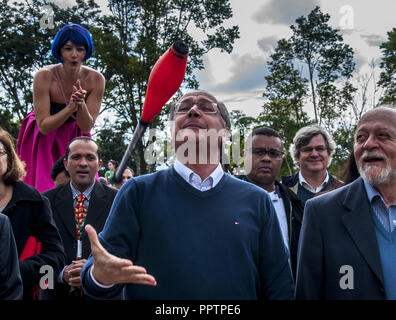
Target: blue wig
x=77, y=34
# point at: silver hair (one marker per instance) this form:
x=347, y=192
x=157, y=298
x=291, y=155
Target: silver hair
x=304, y=135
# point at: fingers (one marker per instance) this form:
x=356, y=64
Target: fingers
x=135, y=274
x=96, y=247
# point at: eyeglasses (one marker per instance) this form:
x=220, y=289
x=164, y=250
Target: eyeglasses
x=204, y=106
x=2, y=152
x=274, y=154
x=310, y=149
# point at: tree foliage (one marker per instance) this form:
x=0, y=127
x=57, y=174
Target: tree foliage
x=127, y=44
x=311, y=68
x=132, y=39
x=328, y=60
x=388, y=64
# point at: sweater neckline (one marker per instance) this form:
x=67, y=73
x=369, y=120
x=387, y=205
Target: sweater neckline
x=201, y=194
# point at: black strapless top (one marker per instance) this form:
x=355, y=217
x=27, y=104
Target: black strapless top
x=56, y=107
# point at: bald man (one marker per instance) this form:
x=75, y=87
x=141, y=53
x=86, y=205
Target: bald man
x=348, y=238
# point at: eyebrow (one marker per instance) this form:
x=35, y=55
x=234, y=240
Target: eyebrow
x=198, y=98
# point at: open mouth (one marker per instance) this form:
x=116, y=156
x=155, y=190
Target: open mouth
x=82, y=173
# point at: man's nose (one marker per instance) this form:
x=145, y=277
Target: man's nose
x=194, y=111
x=266, y=157
x=83, y=162
x=371, y=142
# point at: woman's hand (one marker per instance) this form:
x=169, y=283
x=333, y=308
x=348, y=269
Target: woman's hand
x=79, y=94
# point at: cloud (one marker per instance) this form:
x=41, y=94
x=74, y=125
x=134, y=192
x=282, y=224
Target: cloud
x=360, y=60
x=373, y=40
x=284, y=11
x=267, y=43
x=247, y=73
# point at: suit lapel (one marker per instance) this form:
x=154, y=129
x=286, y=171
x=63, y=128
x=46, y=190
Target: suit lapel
x=65, y=209
x=97, y=204
x=360, y=225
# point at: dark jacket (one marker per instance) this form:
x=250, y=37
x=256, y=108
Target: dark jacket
x=61, y=200
x=294, y=209
x=10, y=277
x=338, y=230
x=292, y=183
x=30, y=215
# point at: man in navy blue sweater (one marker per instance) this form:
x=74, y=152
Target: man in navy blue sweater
x=191, y=231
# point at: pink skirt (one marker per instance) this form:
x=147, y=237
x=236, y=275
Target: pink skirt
x=39, y=151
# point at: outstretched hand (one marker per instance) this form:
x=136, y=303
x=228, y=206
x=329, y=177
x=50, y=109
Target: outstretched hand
x=108, y=269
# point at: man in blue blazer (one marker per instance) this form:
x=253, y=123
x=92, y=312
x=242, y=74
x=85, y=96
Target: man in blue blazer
x=347, y=246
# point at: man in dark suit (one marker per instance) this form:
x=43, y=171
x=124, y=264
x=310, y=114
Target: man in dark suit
x=82, y=161
x=347, y=246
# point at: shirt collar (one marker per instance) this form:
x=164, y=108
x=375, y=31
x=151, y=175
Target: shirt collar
x=86, y=193
x=372, y=192
x=304, y=182
x=188, y=175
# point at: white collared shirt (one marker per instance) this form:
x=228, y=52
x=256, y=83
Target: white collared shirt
x=307, y=186
x=281, y=214
x=195, y=180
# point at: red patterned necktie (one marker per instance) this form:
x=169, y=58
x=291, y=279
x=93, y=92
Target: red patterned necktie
x=80, y=212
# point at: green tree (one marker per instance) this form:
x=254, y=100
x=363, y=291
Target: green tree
x=320, y=48
x=25, y=47
x=388, y=64
x=312, y=67
x=131, y=40
x=111, y=141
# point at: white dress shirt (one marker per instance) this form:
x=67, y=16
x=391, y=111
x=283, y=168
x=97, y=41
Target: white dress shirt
x=307, y=186
x=195, y=180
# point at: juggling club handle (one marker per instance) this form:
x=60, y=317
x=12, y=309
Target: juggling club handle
x=137, y=135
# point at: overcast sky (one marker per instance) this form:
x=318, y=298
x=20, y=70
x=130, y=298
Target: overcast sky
x=238, y=78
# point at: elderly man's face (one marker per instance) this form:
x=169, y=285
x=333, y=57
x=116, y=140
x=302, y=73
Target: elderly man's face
x=197, y=117
x=375, y=147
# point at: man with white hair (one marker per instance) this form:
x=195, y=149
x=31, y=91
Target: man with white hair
x=311, y=150
x=347, y=247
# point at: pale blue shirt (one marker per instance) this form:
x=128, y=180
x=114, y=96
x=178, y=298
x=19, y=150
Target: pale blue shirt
x=387, y=216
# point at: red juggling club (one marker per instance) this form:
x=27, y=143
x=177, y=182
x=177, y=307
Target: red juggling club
x=164, y=80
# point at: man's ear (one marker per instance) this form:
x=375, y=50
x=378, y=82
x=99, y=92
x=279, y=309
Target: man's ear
x=65, y=164
x=99, y=164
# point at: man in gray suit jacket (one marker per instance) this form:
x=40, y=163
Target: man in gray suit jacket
x=347, y=246
x=82, y=161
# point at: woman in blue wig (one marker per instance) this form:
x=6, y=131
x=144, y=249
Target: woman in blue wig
x=66, y=98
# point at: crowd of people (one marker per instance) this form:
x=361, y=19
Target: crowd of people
x=192, y=231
